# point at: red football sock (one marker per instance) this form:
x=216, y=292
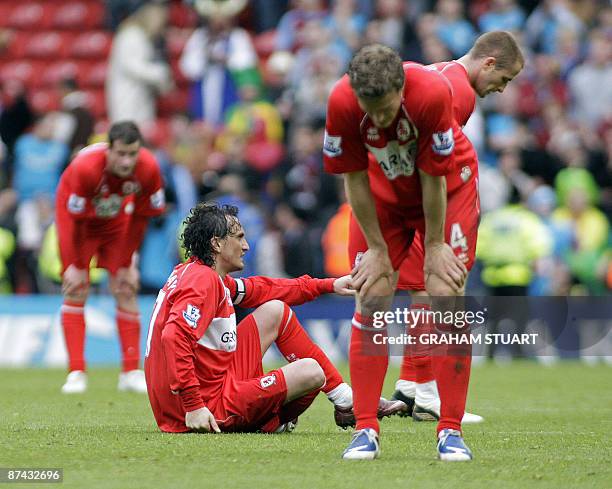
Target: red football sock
x=128, y=326
x=368, y=364
x=294, y=408
x=73, y=323
x=416, y=365
x=451, y=366
x=294, y=343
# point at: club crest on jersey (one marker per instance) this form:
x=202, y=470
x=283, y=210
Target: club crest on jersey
x=130, y=187
x=403, y=130
x=443, y=142
x=373, y=134
x=466, y=173
x=332, y=145
x=192, y=316
x=267, y=381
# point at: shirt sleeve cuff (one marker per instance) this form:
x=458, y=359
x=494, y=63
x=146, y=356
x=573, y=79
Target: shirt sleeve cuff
x=325, y=285
x=191, y=398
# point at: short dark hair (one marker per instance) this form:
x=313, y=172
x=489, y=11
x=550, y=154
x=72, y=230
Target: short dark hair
x=206, y=221
x=125, y=131
x=376, y=70
x=501, y=45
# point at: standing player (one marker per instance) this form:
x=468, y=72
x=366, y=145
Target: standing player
x=203, y=371
x=390, y=130
x=494, y=60
x=104, y=201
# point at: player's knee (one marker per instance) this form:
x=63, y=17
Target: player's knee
x=272, y=311
x=436, y=287
x=124, y=296
x=383, y=287
x=78, y=297
x=313, y=373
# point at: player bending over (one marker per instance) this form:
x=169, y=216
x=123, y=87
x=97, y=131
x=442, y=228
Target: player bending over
x=494, y=60
x=105, y=199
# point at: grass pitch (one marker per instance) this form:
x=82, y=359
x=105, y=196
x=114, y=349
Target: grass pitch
x=546, y=427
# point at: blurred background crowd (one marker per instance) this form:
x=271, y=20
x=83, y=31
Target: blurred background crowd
x=231, y=95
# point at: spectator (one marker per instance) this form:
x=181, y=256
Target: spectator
x=15, y=117
x=289, y=31
x=504, y=15
x=75, y=123
x=594, y=76
x=218, y=58
x=39, y=161
x=578, y=193
x=136, y=72
x=542, y=27
x=454, y=30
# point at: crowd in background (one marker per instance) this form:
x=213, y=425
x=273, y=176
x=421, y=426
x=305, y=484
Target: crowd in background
x=249, y=131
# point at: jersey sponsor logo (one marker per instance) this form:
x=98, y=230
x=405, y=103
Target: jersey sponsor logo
x=220, y=334
x=403, y=130
x=76, y=204
x=443, y=142
x=158, y=199
x=107, y=206
x=192, y=315
x=332, y=145
x=267, y=381
x=395, y=160
x=372, y=134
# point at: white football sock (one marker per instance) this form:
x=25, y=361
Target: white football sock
x=406, y=387
x=427, y=396
x=341, y=396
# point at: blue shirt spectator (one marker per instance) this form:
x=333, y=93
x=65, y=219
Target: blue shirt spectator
x=39, y=161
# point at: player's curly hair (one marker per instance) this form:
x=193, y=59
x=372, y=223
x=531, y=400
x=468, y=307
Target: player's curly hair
x=376, y=70
x=206, y=221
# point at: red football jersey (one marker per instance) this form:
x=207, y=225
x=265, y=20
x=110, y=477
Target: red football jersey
x=464, y=101
x=424, y=135
x=192, y=334
x=464, y=97
x=91, y=201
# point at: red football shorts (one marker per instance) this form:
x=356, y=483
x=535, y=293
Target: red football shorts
x=250, y=398
x=111, y=254
x=398, y=229
x=462, y=217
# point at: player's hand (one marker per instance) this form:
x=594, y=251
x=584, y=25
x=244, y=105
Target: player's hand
x=201, y=420
x=126, y=279
x=373, y=265
x=441, y=261
x=74, y=279
x=344, y=286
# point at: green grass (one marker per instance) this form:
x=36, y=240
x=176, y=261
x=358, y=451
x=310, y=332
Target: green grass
x=546, y=427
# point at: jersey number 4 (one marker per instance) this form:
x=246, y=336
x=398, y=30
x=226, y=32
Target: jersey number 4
x=457, y=238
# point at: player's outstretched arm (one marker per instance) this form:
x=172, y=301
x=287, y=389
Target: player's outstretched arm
x=439, y=257
x=375, y=262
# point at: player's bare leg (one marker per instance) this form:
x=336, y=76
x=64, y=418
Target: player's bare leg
x=124, y=285
x=75, y=288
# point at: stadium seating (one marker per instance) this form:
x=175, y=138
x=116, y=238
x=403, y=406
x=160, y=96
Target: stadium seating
x=52, y=40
